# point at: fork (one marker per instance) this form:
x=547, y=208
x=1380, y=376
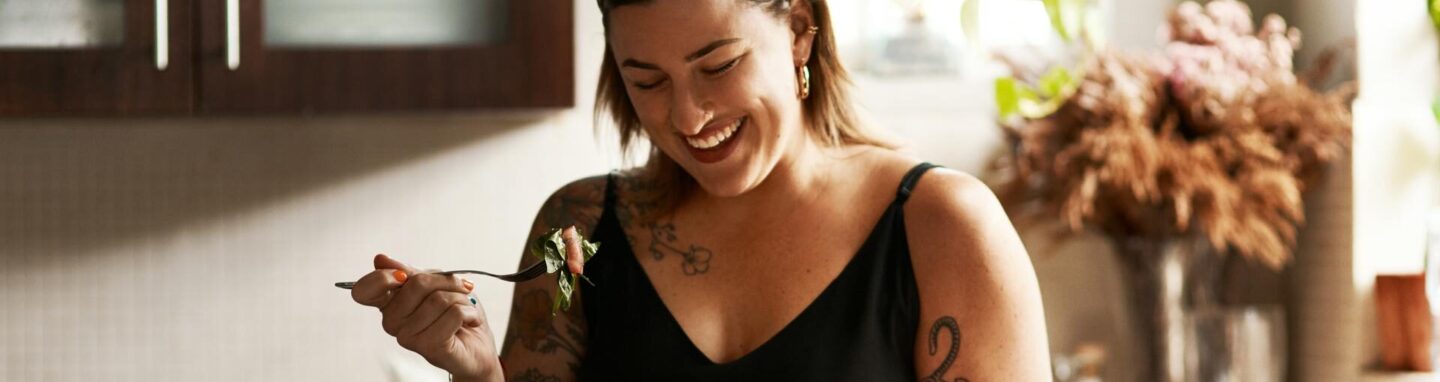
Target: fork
x=535, y=270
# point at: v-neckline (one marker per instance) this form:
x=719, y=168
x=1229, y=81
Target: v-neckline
x=891, y=208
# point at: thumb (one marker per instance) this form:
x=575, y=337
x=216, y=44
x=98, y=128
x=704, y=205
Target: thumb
x=385, y=262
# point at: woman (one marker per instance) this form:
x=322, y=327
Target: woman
x=770, y=236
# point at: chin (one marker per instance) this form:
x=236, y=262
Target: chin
x=732, y=177
x=724, y=180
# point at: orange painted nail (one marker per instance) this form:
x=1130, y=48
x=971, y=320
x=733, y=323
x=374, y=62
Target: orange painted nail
x=469, y=287
x=401, y=276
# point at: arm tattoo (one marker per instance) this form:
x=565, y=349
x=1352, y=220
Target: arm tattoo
x=663, y=240
x=577, y=205
x=944, y=323
x=533, y=375
x=537, y=331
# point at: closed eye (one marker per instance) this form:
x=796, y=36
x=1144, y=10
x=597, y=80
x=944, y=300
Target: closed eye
x=650, y=85
x=724, y=68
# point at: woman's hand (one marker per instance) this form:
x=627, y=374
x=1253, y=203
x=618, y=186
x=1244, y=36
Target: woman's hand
x=432, y=315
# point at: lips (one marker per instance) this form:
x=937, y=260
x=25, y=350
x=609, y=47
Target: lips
x=714, y=138
x=715, y=143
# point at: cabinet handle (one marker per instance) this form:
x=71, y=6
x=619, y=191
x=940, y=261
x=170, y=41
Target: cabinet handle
x=162, y=34
x=232, y=34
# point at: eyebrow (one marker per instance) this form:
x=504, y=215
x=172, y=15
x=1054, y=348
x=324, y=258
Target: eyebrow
x=690, y=58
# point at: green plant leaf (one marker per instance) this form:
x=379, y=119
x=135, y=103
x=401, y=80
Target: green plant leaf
x=550, y=248
x=1435, y=13
x=1007, y=96
x=1054, y=82
x=1013, y=97
x=1066, y=17
x=1435, y=109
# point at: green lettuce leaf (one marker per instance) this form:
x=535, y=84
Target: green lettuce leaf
x=550, y=248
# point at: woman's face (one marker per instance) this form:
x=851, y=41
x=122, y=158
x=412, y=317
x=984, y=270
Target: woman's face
x=714, y=85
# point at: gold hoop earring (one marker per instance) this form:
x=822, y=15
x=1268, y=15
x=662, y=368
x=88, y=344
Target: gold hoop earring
x=814, y=29
x=804, y=74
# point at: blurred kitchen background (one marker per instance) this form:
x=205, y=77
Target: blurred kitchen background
x=182, y=181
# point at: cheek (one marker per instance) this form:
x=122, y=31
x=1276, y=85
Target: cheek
x=763, y=92
x=777, y=99
x=652, y=110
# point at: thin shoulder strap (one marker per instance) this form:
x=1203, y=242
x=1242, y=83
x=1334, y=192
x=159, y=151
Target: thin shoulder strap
x=907, y=184
x=609, y=191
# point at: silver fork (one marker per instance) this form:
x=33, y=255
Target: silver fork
x=535, y=270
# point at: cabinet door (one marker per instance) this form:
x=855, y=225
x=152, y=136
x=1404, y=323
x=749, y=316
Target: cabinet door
x=379, y=55
x=95, y=57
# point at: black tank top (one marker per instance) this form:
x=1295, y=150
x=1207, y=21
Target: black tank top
x=860, y=328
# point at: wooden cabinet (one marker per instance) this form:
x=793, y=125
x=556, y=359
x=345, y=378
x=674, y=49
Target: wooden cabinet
x=295, y=56
x=291, y=56
x=95, y=57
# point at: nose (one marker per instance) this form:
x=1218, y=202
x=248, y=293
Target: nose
x=689, y=111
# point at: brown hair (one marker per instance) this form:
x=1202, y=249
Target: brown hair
x=828, y=108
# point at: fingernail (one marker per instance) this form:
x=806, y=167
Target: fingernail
x=401, y=276
x=469, y=286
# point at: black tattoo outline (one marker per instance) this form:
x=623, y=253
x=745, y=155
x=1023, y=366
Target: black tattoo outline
x=578, y=204
x=944, y=322
x=663, y=239
x=537, y=331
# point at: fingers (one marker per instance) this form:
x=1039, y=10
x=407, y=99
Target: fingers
x=430, y=310
x=574, y=256
x=436, y=338
x=408, y=297
x=376, y=288
x=385, y=262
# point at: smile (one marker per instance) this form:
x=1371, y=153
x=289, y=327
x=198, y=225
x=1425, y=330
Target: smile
x=715, y=138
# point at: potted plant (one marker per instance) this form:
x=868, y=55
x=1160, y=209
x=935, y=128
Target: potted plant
x=1178, y=158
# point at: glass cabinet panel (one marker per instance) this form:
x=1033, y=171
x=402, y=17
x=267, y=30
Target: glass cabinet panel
x=61, y=24
x=349, y=24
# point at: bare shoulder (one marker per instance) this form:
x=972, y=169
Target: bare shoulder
x=961, y=239
x=578, y=203
x=950, y=214
x=949, y=208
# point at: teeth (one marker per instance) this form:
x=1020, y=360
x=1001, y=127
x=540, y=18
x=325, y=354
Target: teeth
x=714, y=139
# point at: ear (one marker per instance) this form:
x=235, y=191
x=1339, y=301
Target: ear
x=802, y=17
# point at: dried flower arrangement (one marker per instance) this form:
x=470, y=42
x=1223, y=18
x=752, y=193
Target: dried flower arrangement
x=1216, y=137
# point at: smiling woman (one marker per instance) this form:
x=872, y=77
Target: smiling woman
x=770, y=236
x=818, y=75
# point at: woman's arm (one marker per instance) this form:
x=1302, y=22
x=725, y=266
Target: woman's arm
x=539, y=347
x=981, y=317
